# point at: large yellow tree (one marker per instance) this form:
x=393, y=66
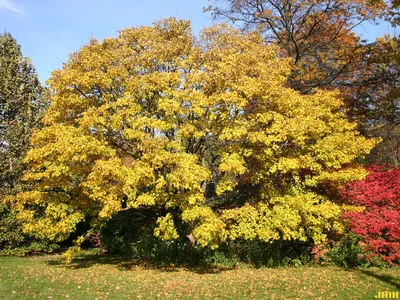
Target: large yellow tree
x=204, y=129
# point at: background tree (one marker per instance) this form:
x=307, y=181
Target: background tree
x=157, y=118
x=21, y=107
x=374, y=99
x=318, y=35
x=20, y=110
x=394, y=12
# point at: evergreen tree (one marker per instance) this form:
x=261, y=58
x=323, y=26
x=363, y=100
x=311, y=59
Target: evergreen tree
x=20, y=110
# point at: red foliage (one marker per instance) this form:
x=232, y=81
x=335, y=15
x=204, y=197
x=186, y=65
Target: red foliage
x=379, y=223
x=94, y=239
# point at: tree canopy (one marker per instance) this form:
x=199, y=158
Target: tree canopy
x=318, y=35
x=328, y=53
x=204, y=129
x=375, y=101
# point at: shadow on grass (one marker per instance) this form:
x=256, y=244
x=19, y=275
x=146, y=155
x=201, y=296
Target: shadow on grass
x=126, y=263
x=385, y=278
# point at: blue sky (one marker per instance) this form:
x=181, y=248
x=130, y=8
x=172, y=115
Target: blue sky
x=48, y=30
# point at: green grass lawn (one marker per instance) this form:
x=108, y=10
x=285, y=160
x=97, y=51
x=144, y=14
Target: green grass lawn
x=102, y=277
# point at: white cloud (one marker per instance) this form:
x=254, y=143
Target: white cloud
x=64, y=34
x=7, y=4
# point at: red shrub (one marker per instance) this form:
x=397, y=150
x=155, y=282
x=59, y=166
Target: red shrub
x=379, y=223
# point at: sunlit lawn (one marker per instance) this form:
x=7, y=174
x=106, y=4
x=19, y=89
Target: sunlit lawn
x=102, y=277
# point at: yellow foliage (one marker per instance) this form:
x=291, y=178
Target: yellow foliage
x=166, y=228
x=294, y=217
x=158, y=118
x=209, y=228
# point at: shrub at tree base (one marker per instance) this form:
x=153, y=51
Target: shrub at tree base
x=379, y=223
x=204, y=130
x=130, y=233
x=13, y=241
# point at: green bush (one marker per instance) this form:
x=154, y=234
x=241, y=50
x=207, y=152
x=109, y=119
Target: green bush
x=276, y=254
x=348, y=252
x=13, y=241
x=130, y=232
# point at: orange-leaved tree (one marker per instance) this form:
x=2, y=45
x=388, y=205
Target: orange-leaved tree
x=318, y=35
